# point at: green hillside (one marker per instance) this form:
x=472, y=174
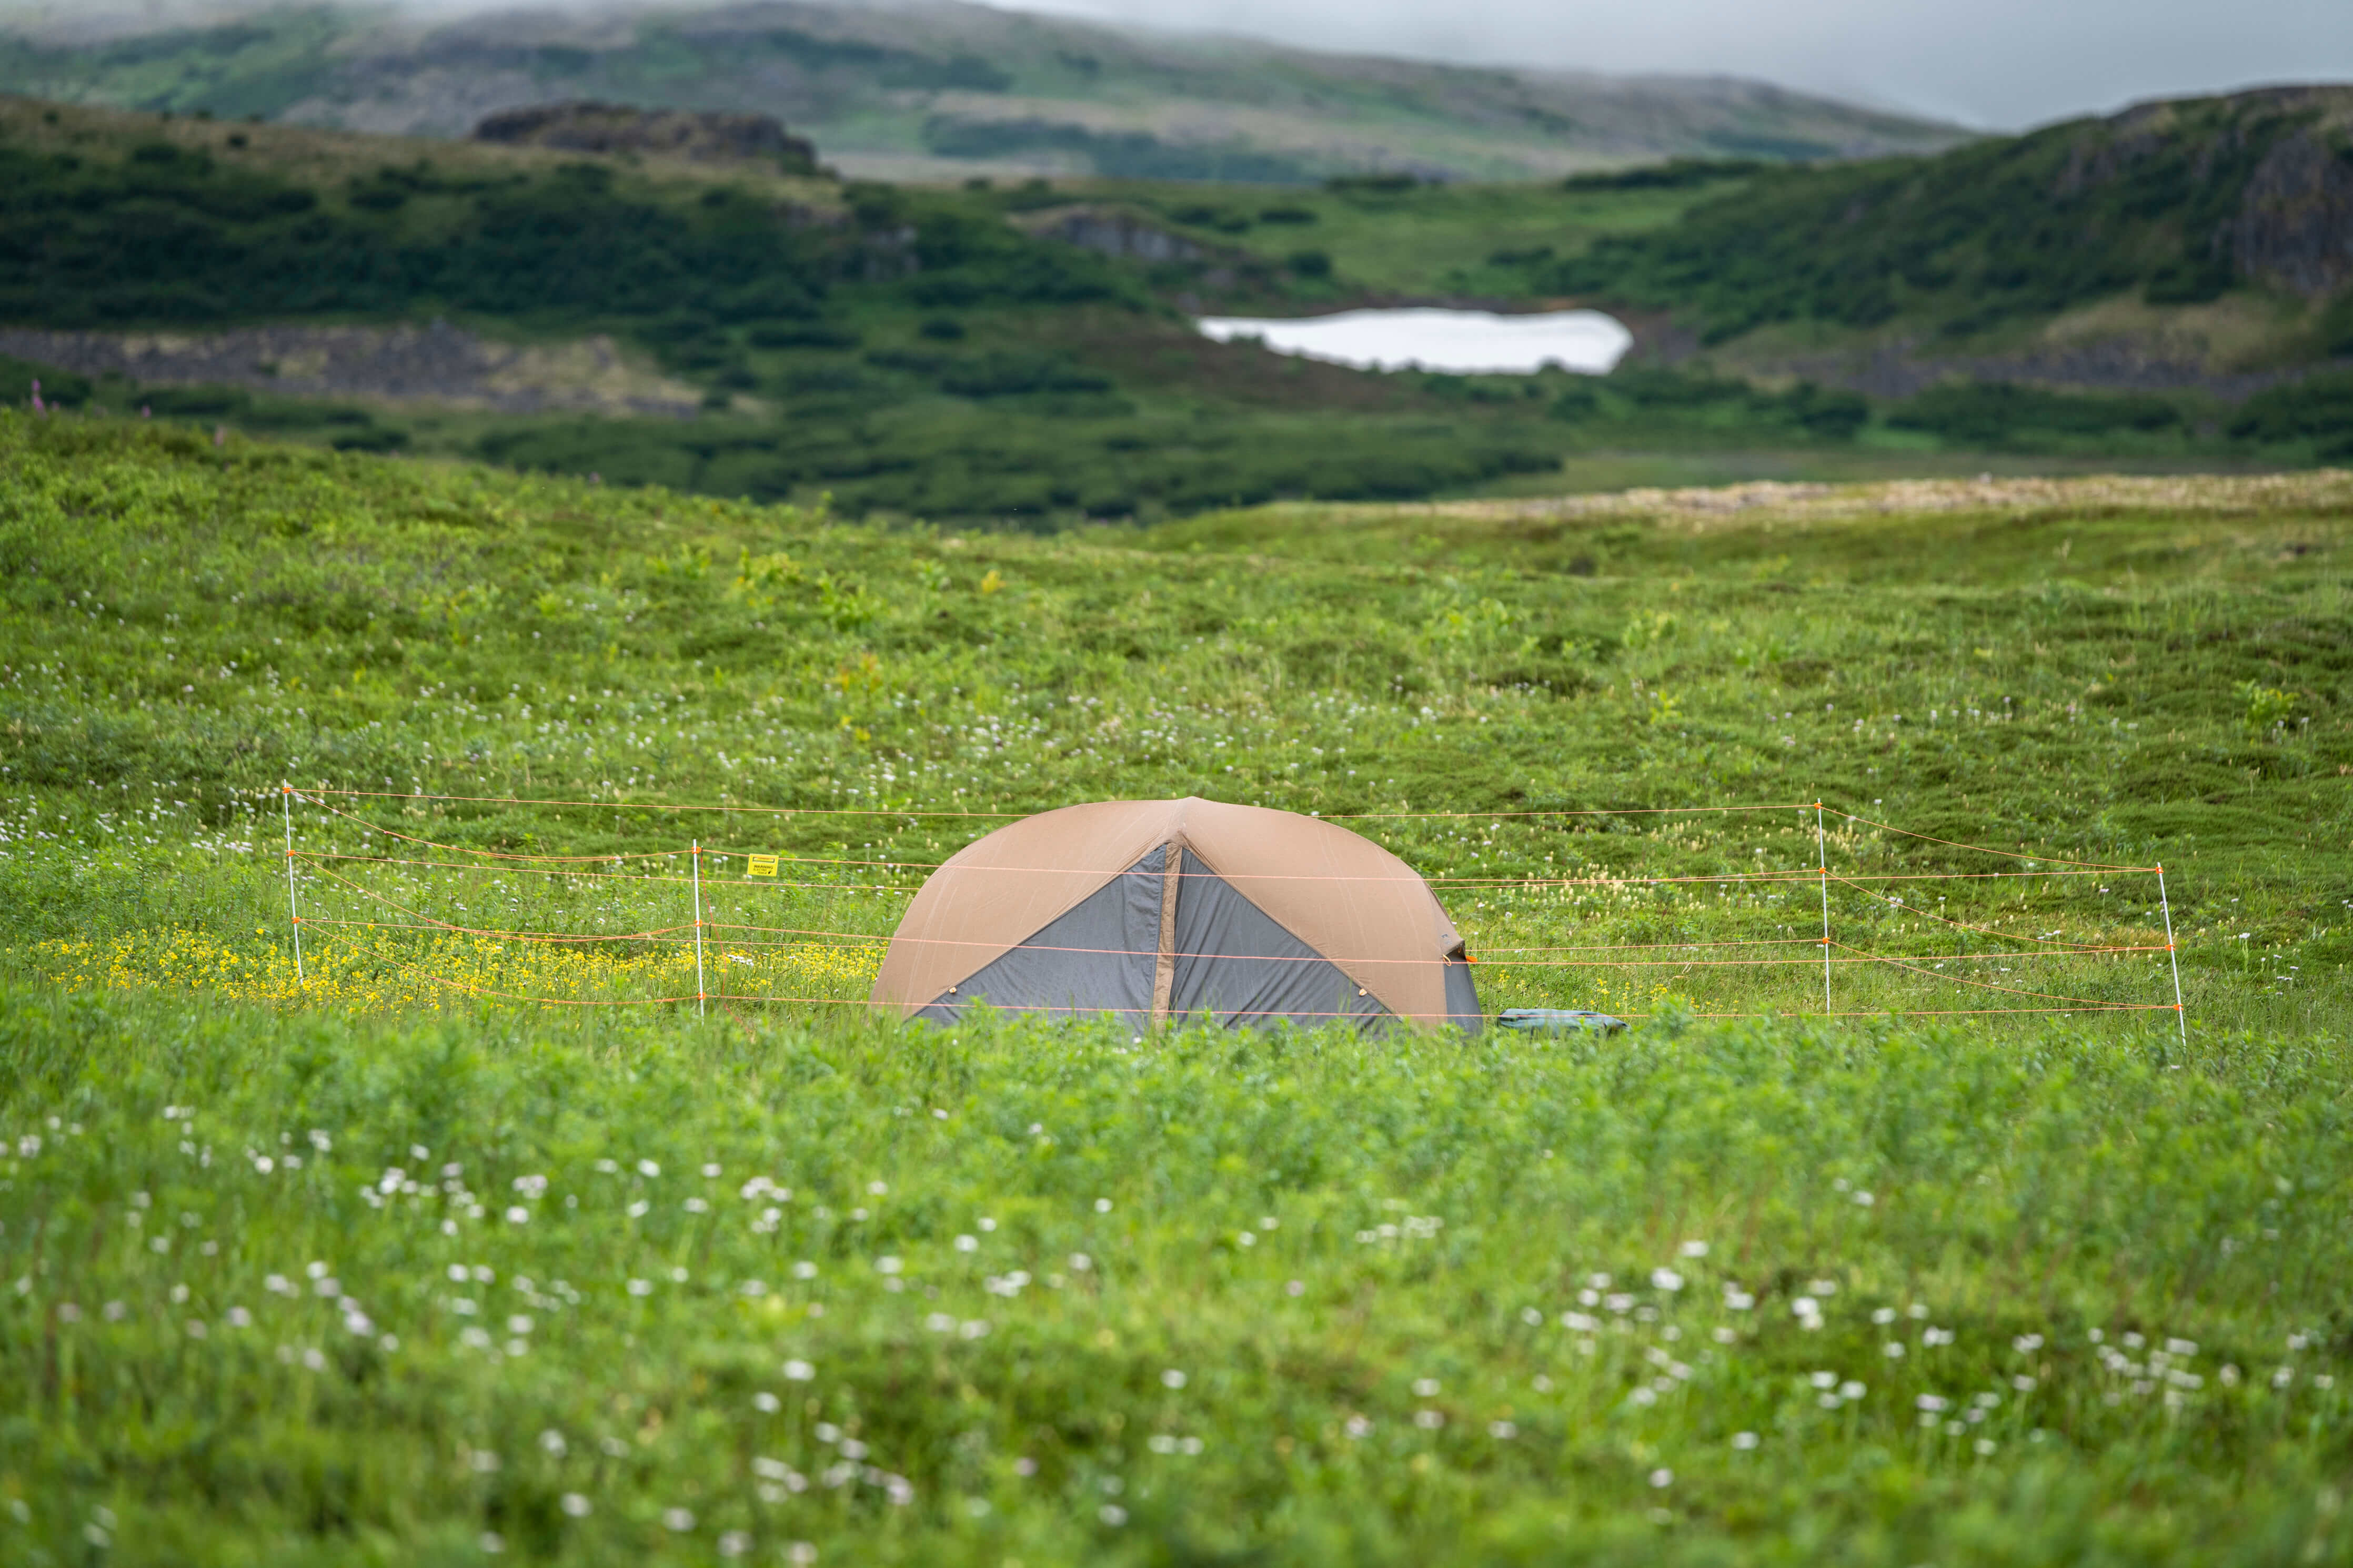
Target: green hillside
x=910, y=349
x=975, y=352
x=939, y=89
x=365, y=1268
x=2169, y=204
x=1380, y=240
x=1619, y=650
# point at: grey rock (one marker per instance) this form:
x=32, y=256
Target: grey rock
x=585, y=125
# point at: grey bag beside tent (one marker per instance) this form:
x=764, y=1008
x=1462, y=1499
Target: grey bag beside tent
x=1556, y=1020
x=1154, y=910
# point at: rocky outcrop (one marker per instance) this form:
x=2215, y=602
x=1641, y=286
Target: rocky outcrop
x=2289, y=221
x=2132, y=136
x=1902, y=368
x=2295, y=225
x=1112, y=232
x=704, y=137
x=433, y=365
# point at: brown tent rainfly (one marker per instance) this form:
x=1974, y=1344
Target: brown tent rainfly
x=1161, y=909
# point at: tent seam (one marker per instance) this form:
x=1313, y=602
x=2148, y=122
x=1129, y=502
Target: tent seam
x=1164, y=968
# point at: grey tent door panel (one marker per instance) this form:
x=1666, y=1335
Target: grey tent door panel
x=1096, y=957
x=1236, y=964
x=1462, y=1009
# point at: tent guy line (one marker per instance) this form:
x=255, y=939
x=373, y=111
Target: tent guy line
x=729, y=996
x=1257, y=910
x=1804, y=875
x=2035, y=860
x=856, y=940
x=885, y=811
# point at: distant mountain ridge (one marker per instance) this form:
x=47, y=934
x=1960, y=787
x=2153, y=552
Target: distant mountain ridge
x=939, y=86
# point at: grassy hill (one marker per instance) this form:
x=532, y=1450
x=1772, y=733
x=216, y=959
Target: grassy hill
x=2210, y=233
x=960, y=352
x=912, y=349
x=1613, y=651
x=938, y=88
x=366, y=1268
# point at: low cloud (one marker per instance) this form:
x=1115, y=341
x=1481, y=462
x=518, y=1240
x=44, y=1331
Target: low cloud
x=1996, y=64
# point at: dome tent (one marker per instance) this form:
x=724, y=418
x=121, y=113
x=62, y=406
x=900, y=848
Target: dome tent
x=1161, y=909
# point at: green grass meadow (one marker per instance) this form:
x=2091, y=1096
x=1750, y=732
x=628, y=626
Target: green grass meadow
x=380, y=1265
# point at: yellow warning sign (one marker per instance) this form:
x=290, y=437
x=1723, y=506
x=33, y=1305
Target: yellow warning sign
x=761, y=865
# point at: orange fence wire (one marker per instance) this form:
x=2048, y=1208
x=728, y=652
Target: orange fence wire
x=1829, y=952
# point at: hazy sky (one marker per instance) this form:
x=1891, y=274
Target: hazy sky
x=1994, y=64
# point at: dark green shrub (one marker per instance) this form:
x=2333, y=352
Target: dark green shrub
x=1576, y=403
x=1999, y=413
x=1659, y=386
x=802, y=335
x=197, y=402
x=1676, y=173
x=1836, y=415
x=1389, y=183
x=2318, y=410
x=1011, y=373
x=59, y=388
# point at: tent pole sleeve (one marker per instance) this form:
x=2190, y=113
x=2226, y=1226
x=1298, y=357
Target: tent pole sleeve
x=1164, y=971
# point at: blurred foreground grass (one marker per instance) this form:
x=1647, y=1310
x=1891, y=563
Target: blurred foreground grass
x=289, y=1290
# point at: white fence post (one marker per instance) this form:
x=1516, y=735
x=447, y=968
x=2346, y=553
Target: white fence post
x=286, y=800
x=2172, y=957
x=701, y=992
x=1822, y=856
